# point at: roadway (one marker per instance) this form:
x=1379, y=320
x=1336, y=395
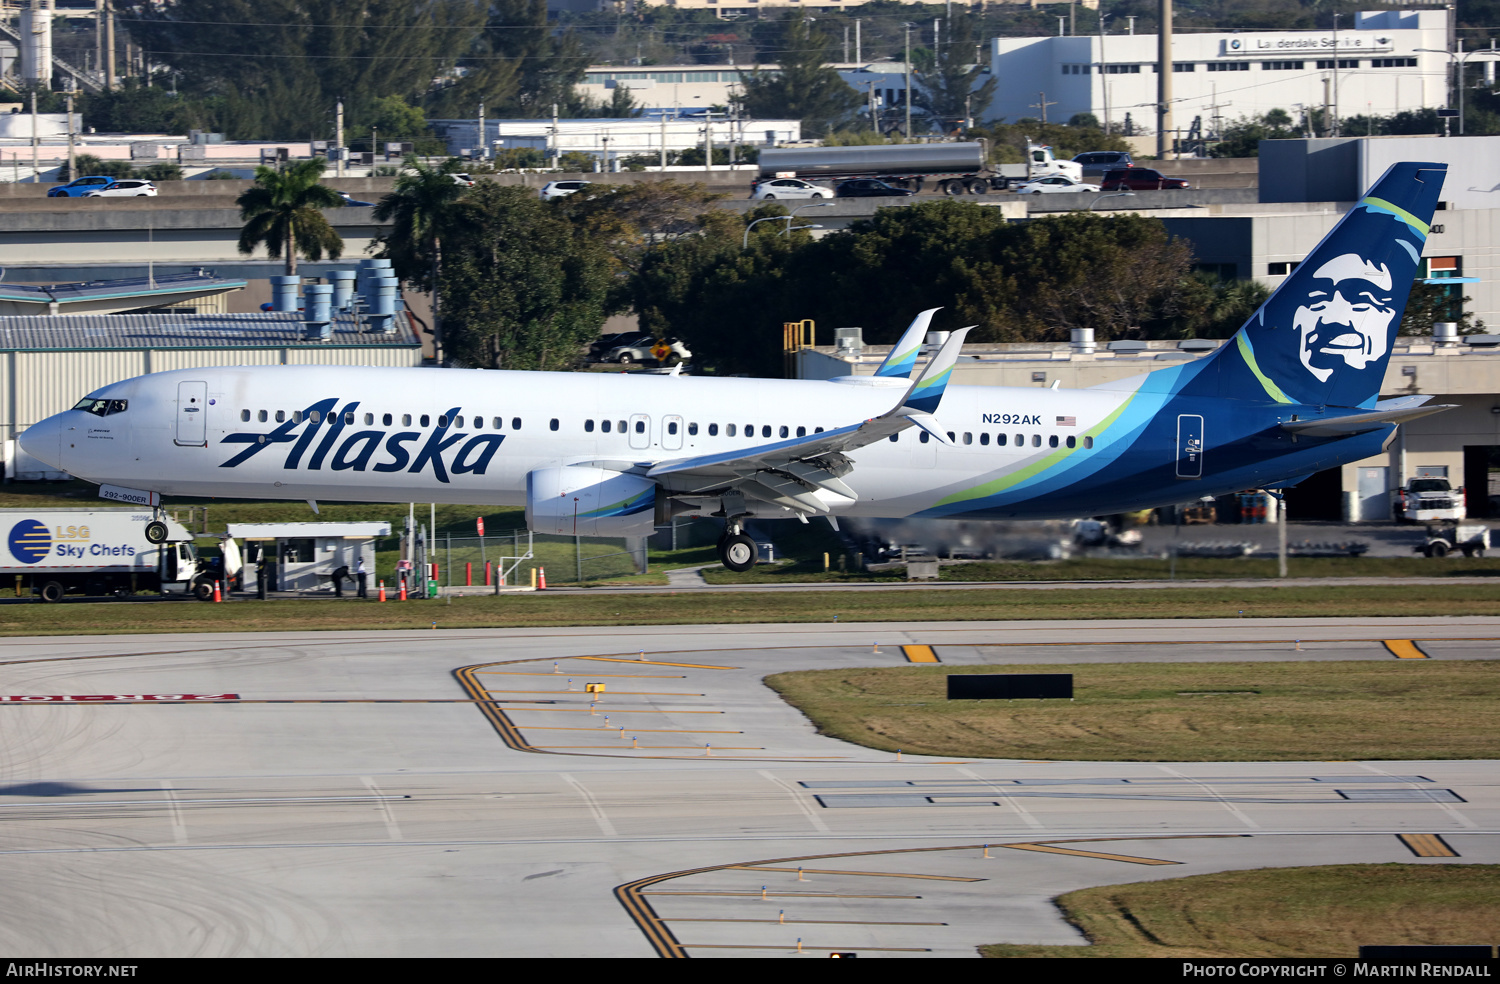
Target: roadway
x=461, y=793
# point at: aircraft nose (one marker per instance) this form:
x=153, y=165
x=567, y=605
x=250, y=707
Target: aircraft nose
x=43, y=441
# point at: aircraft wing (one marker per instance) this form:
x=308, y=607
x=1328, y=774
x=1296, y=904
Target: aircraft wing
x=788, y=473
x=1386, y=412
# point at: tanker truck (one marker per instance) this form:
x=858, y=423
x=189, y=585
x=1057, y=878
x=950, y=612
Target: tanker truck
x=53, y=552
x=956, y=168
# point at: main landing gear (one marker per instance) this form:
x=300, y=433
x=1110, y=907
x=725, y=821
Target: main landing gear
x=737, y=551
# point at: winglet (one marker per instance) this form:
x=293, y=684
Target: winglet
x=903, y=355
x=927, y=392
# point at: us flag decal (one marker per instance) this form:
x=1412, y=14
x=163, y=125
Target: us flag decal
x=1067, y=421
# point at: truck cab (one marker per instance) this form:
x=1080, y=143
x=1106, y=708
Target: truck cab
x=1425, y=500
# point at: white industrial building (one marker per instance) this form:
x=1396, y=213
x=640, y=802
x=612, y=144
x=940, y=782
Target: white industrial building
x=1376, y=67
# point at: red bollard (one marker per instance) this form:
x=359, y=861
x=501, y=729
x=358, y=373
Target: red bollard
x=486, y=573
x=468, y=574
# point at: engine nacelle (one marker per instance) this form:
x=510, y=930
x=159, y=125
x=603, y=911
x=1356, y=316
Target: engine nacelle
x=587, y=501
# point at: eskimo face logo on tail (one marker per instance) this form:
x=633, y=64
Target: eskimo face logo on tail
x=369, y=449
x=1346, y=317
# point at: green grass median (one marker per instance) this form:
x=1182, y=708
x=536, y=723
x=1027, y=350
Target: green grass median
x=1281, y=912
x=1170, y=712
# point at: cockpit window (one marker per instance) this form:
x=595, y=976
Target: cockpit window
x=101, y=408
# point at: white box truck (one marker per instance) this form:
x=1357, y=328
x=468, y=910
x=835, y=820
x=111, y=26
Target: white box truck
x=53, y=552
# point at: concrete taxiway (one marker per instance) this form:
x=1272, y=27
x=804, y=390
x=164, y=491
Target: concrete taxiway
x=469, y=793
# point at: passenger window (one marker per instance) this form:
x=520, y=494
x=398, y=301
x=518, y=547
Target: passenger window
x=801, y=431
x=442, y=420
x=952, y=437
x=1052, y=441
x=784, y=431
x=1036, y=440
x=640, y=427
x=671, y=427
x=713, y=430
x=425, y=420
x=984, y=439
x=1001, y=440
x=893, y=438
x=924, y=437
x=604, y=426
x=817, y=430
x=1020, y=440
x=316, y=416
x=477, y=423
x=1072, y=441
x=1088, y=442
x=588, y=427
x=386, y=420
x=765, y=430
x=968, y=438
x=552, y=425
x=729, y=430
x=406, y=420
x=498, y=423
x=621, y=428
x=280, y=416
x=515, y=423
x=349, y=417
x=692, y=430
x=262, y=416
x=245, y=415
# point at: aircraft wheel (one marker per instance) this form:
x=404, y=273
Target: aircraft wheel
x=52, y=591
x=156, y=532
x=738, y=553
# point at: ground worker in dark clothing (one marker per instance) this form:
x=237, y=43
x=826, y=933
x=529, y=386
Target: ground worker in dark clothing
x=338, y=581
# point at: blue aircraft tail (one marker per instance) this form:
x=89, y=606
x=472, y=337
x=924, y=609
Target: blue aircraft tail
x=1324, y=337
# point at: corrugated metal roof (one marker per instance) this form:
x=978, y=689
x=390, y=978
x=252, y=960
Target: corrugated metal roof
x=272, y=329
x=137, y=286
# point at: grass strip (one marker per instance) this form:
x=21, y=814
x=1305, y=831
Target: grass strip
x=699, y=608
x=1326, y=912
x=1170, y=712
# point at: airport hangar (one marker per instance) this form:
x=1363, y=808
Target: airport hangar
x=1305, y=187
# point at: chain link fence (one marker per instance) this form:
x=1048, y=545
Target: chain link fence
x=567, y=560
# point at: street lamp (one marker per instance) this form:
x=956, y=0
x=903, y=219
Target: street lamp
x=1118, y=194
x=770, y=218
x=800, y=208
x=1459, y=56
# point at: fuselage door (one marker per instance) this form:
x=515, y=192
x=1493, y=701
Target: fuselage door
x=640, y=431
x=192, y=414
x=1189, y=446
x=671, y=432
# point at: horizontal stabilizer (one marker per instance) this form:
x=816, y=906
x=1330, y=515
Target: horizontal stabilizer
x=1358, y=423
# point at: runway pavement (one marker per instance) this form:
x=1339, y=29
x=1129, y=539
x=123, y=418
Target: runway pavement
x=463, y=793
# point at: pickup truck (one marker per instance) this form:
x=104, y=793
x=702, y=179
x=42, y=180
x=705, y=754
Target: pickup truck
x=1427, y=499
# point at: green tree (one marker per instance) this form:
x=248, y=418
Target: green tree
x=517, y=65
x=422, y=209
x=1242, y=137
x=527, y=288
x=806, y=87
x=1431, y=303
x=283, y=211
x=947, y=89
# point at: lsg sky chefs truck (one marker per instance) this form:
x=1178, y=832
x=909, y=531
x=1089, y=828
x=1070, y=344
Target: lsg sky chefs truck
x=52, y=552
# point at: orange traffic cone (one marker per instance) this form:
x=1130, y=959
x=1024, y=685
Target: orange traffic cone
x=542, y=575
x=217, y=596
x=382, y=591
x=403, y=590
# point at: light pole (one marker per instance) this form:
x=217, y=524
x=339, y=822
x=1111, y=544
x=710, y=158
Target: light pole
x=770, y=218
x=799, y=208
x=1118, y=194
x=1459, y=57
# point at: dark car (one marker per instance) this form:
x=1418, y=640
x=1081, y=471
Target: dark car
x=1097, y=162
x=1139, y=179
x=869, y=188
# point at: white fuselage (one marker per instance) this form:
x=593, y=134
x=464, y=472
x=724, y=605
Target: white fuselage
x=229, y=432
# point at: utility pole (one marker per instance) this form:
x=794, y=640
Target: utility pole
x=109, y=45
x=1333, y=129
x=1164, y=78
x=1104, y=74
x=338, y=137
x=1041, y=105
x=857, y=56
x=99, y=36
x=72, y=168
x=483, y=140
x=36, y=174
x=908, y=81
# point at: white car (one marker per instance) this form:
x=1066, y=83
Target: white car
x=1054, y=184
x=125, y=188
x=463, y=180
x=561, y=189
x=789, y=188
x=648, y=350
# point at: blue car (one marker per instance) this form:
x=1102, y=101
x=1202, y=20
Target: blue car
x=79, y=187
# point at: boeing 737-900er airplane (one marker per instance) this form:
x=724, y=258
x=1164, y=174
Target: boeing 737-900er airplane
x=1293, y=392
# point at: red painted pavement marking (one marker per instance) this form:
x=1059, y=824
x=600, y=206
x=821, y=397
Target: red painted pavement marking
x=92, y=697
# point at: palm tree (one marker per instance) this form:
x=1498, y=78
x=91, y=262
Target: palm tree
x=420, y=210
x=283, y=211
